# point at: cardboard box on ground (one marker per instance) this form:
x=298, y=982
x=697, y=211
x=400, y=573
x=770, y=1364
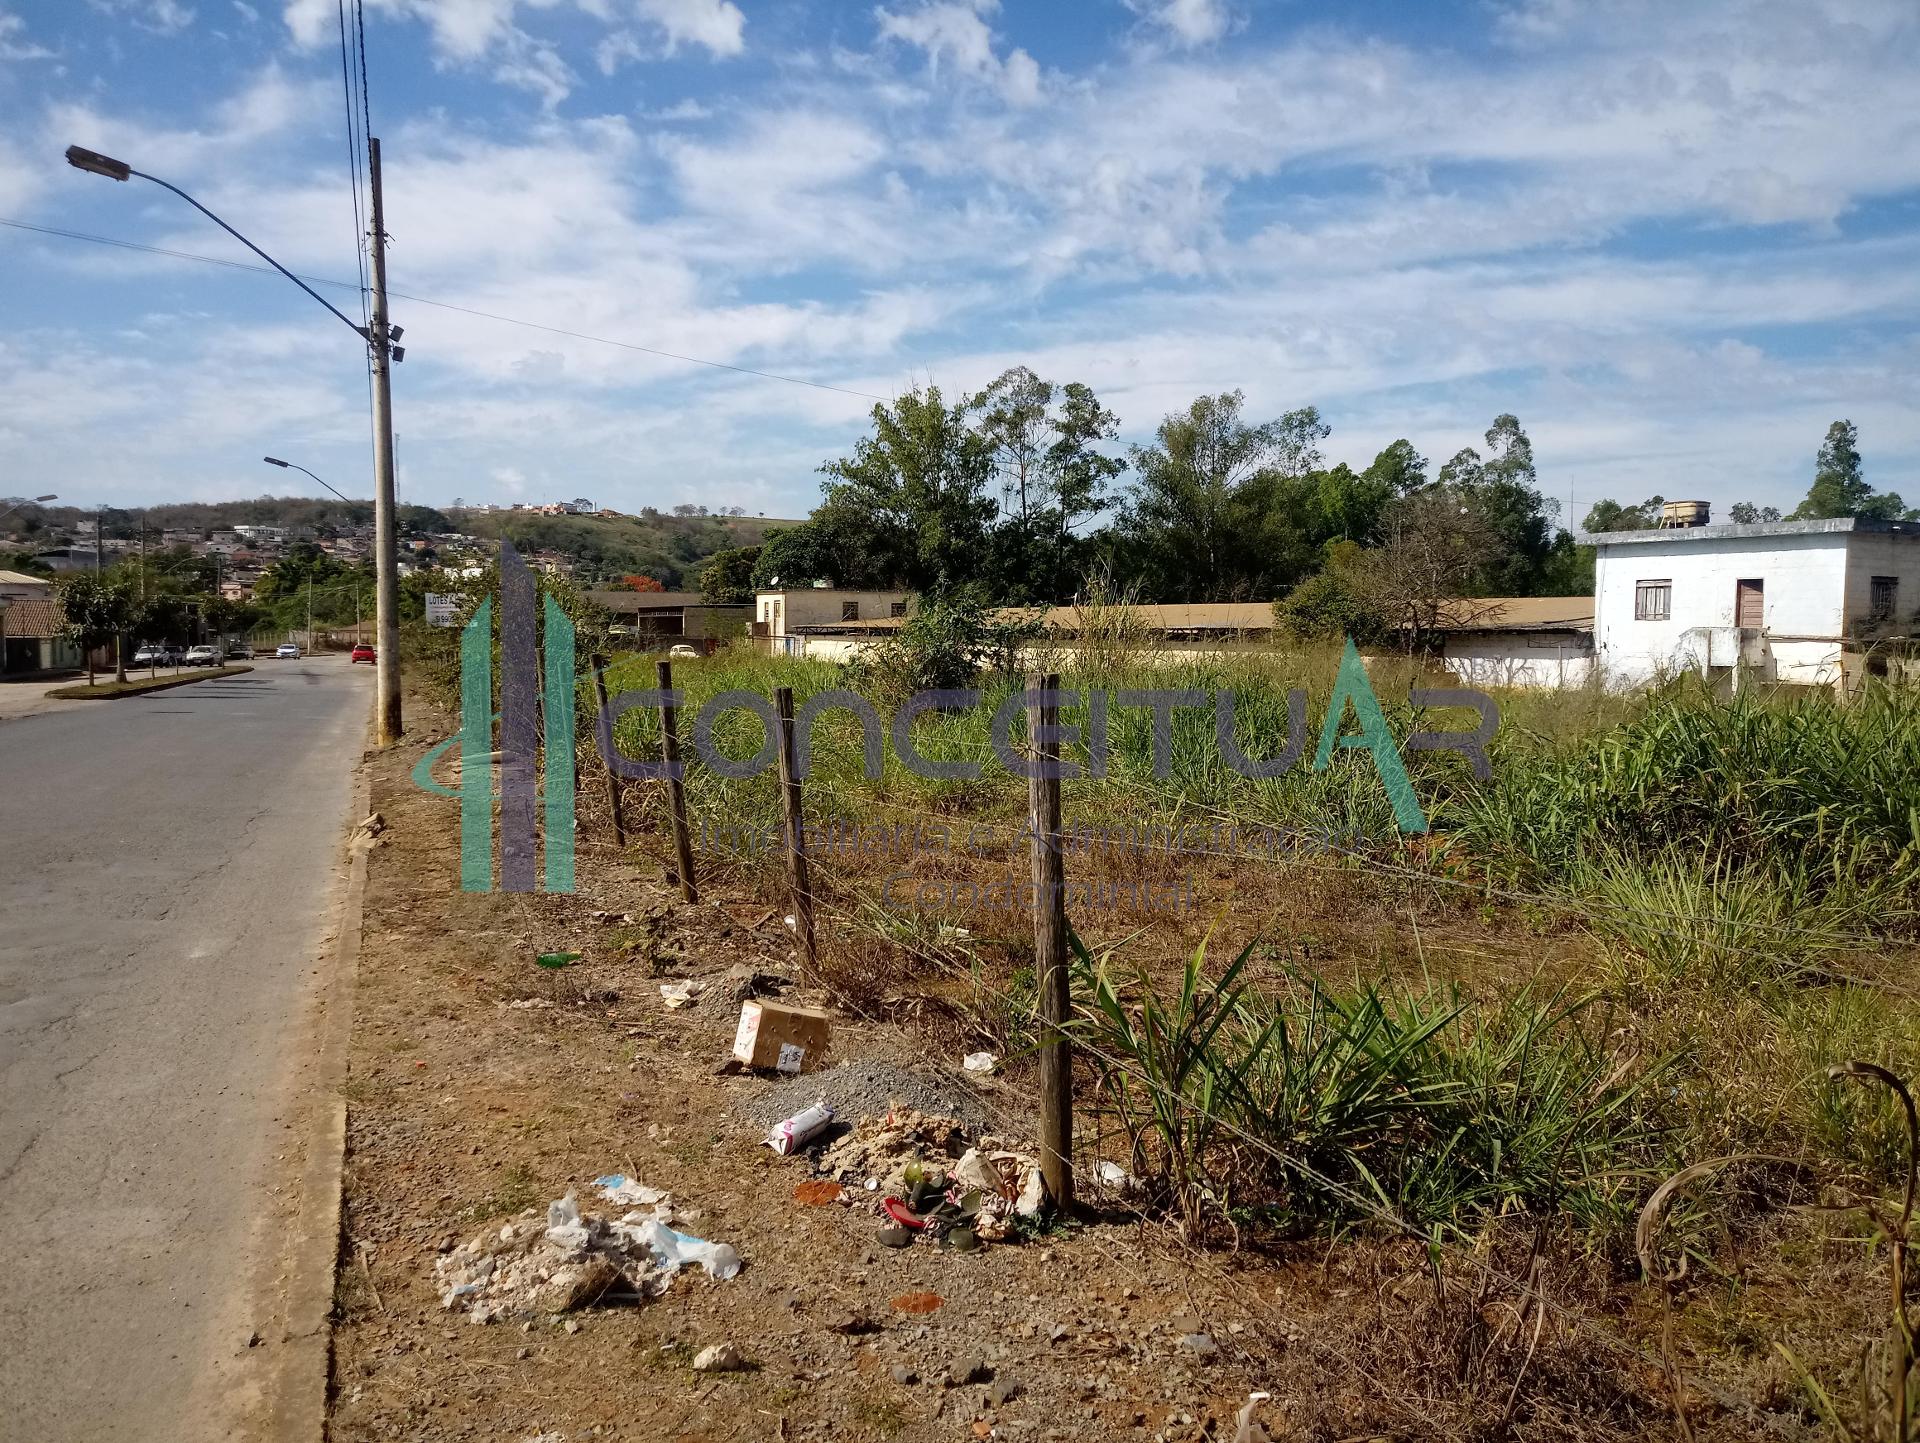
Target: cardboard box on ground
x=780, y=1035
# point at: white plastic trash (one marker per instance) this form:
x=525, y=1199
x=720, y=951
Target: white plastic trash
x=980, y=1062
x=797, y=1131
x=676, y=1250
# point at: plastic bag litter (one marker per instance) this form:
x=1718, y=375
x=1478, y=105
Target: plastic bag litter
x=680, y=994
x=675, y=1250
x=980, y=1062
x=1247, y=1428
x=617, y=1187
x=1011, y=1177
x=566, y=1259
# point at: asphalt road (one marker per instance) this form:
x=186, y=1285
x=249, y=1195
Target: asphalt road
x=169, y=866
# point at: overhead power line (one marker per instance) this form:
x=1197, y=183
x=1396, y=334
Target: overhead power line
x=448, y=306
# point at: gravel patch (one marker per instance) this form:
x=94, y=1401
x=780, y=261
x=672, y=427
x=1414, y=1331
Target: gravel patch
x=865, y=1087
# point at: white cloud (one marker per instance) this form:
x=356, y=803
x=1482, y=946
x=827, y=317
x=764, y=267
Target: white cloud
x=713, y=24
x=952, y=32
x=14, y=44
x=163, y=17
x=1188, y=22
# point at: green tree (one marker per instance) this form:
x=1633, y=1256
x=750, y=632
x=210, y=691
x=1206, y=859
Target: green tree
x=911, y=502
x=1503, y=496
x=1745, y=513
x=1840, y=486
x=799, y=556
x=1609, y=515
x=1207, y=519
x=1043, y=440
x=95, y=610
x=727, y=580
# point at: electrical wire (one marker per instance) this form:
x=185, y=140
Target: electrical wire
x=447, y=306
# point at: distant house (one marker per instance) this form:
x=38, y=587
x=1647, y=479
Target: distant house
x=1807, y=603
x=788, y=621
x=30, y=627
x=654, y=619
x=18, y=586
x=1531, y=641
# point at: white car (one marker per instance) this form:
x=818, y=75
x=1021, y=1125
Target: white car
x=203, y=656
x=683, y=650
x=287, y=651
x=239, y=651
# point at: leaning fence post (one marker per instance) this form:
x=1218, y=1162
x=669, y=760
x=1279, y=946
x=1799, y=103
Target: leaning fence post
x=796, y=832
x=676, y=793
x=1050, y=938
x=613, y=779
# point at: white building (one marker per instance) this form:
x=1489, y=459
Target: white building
x=1530, y=641
x=789, y=619
x=1807, y=603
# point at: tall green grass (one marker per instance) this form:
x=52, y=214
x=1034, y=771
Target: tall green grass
x=1809, y=787
x=1322, y=1107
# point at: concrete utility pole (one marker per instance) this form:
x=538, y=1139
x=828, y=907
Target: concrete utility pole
x=386, y=593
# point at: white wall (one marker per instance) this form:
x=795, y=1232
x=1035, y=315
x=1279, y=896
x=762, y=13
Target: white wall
x=1872, y=554
x=1519, y=658
x=1805, y=580
x=785, y=611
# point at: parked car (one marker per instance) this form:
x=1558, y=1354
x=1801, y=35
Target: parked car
x=157, y=653
x=286, y=650
x=239, y=651
x=684, y=650
x=203, y=656
x=363, y=652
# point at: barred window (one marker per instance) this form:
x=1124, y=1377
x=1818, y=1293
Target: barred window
x=897, y=608
x=849, y=611
x=1652, y=600
x=1884, y=595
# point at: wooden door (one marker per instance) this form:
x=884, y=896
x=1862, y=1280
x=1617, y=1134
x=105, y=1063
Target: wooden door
x=1749, y=604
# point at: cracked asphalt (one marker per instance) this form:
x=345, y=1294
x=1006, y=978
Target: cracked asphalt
x=169, y=863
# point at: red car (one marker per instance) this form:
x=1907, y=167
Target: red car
x=363, y=652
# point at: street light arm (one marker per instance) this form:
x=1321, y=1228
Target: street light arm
x=353, y=326
x=293, y=466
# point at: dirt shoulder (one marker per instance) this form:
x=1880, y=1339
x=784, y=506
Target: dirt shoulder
x=466, y=1109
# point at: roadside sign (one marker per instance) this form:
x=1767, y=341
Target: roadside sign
x=443, y=610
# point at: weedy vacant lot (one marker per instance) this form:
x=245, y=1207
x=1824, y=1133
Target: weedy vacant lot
x=1420, y=1089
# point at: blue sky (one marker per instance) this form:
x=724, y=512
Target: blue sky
x=1676, y=240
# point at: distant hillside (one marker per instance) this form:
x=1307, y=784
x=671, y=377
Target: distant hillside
x=670, y=549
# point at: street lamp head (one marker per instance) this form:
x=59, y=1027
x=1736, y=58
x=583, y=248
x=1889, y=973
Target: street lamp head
x=50, y=496
x=83, y=159
x=275, y=461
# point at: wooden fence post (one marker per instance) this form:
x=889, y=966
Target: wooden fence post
x=676, y=792
x=796, y=831
x=1050, y=941
x=613, y=779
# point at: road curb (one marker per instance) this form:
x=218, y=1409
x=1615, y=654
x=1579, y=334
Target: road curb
x=116, y=692
x=299, y=1410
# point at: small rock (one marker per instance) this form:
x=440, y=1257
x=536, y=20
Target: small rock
x=1186, y=1323
x=968, y=1368
x=904, y=1375
x=1004, y=1390
x=253, y=1340
x=1199, y=1343
x=572, y=1325
x=851, y=1322
x=523, y=1354
x=1056, y=1332
x=719, y=1358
